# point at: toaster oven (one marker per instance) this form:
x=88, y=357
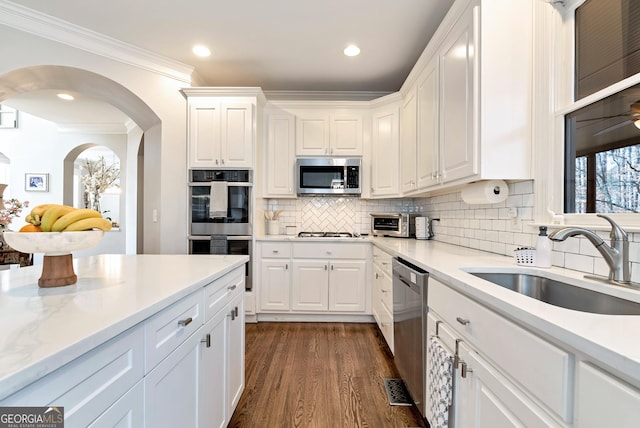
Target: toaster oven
x=402, y=225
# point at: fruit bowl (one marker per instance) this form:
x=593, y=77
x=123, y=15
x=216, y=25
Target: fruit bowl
x=57, y=266
x=52, y=243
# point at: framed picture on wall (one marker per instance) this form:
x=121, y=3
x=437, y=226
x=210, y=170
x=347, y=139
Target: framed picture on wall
x=36, y=182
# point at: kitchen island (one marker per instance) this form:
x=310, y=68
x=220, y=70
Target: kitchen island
x=49, y=329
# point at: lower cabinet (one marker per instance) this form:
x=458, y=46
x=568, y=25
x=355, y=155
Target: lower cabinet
x=127, y=412
x=171, y=390
x=382, y=299
x=313, y=277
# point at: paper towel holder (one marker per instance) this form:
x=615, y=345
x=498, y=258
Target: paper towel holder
x=485, y=192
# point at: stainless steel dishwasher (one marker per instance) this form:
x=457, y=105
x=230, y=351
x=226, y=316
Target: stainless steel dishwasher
x=409, y=328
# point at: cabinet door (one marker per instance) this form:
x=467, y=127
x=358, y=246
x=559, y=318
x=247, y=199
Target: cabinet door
x=235, y=353
x=427, y=147
x=171, y=389
x=385, y=157
x=312, y=134
x=457, y=101
x=236, y=148
x=275, y=285
x=204, y=134
x=310, y=285
x=280, y=155
x=345, y=135
x=347, y=286
x=213, y=372
x=127, y=412
x=408, y=142
x=485, y=398
x=604, y=401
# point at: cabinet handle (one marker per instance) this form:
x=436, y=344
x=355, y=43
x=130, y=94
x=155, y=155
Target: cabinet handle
x=462, y=321
x=207, y=340
x=328, y=253
x=276, y=251
x=384, y=291
x=377, y=275
x=216, y=161
x=325, y=267
x=232, y=287
x=286, y=266
x=464, y=369
x=185, y=322
x=232, y=314
x=236, y=311
x=331, y=267
x=222, y=161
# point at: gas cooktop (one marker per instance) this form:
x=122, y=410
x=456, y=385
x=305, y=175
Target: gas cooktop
x=325, y=235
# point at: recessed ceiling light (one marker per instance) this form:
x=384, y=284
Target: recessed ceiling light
x=352, y=50
x=66, y=97
x=201, y=50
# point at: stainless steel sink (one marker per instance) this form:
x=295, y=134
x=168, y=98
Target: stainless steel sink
x=561, y=294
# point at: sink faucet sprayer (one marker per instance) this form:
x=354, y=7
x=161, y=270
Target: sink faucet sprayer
x=616, y=255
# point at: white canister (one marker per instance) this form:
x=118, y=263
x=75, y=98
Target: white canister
x=422, y=228
x=273, y=227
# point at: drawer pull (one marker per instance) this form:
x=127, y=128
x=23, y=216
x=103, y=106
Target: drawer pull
x=438, y=327
x=464, y=369
x=276, y=251
x=207, y=340
x=462, y=321
x=232, y=315
x=236, y=311
x=185, y=322
x=232, y=287
x=384, y=291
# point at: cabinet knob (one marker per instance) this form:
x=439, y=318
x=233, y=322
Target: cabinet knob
x=462, y=321
x=217, y=162
x=464, y=369
x=185, y=322
x=222, y=161
x=207, y=340
x=232, y=287
x=329, y=253
x=276, y=251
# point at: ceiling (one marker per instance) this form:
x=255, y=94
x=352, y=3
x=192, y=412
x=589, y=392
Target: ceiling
x=277, y=44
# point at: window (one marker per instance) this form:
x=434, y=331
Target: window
x=602, y=139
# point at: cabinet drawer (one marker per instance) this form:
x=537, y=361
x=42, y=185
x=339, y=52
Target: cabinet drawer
x=312, y=250
x=89, y=385
x=538, y=366
x=165, y=331
x=383, y=260
x=221, y=291
x=276, y=249
x=386, y=291
x=386, y=325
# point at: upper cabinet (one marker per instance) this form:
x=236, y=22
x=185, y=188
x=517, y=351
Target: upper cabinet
x=221, y=129
x=473, y=97
x=327, y=133
x=385, y=141
x=280, y=155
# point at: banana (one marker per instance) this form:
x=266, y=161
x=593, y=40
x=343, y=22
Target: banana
x=73, y=216
x=40, y=209
x=52, y=214
x=88, y=224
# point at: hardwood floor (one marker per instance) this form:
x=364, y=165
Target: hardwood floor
x=319, y=375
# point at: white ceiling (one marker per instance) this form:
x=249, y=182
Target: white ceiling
x=274, y=44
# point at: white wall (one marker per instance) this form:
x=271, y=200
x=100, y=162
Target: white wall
x=165, y=178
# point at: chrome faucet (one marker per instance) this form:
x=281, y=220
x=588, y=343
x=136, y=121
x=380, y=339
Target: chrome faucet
x=616, y=255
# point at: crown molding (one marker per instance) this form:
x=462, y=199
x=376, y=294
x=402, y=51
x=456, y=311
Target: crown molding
x=323, y=95
x=49, y=27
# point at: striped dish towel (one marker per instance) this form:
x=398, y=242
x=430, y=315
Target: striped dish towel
x=440, y=386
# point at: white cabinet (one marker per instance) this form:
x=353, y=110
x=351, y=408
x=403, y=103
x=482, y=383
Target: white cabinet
x=171, y=389
x=220, y=130
x=326, y=133
x=280, y=157
x=220, y=134
x=385, y=147
x=222, y=351
x=313, y=277
x=275, y=276
x=602, y=400
x=382, y=304
x=408, y=143
x=127, y=412
x=91, y=384
x=522, y=381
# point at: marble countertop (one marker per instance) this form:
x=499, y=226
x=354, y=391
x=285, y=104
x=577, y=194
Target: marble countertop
x=45, y=328
x=612, y=340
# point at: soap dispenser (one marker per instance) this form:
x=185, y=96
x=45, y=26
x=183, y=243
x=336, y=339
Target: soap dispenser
x=543, y=249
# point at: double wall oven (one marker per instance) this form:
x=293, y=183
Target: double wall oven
x=220, y=213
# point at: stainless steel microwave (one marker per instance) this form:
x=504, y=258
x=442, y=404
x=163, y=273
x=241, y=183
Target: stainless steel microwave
x=328, y=176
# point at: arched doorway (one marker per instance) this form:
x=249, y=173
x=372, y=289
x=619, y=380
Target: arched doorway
x=40, y=78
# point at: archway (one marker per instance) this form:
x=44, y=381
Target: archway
x=48, y=77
